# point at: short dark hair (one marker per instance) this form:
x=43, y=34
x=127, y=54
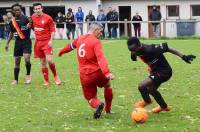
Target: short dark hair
x=36, y=4
x=133, y=40
x=15, y=5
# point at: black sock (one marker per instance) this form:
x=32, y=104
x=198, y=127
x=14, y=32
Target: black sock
x=28, y=68
x=16, y=73
x=145, y=95
x=159, y=99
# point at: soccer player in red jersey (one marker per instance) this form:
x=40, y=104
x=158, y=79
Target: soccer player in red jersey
x=44, y=29
x=93, y=68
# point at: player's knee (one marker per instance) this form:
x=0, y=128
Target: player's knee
x=141, y=86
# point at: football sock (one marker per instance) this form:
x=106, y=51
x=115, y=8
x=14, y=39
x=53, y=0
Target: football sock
x=108, y=95
x=53, y=68
x=45, y=72
x=159, y=99
x=28, y=68
x=145, y=95
x=94, y=102
x=16, y=73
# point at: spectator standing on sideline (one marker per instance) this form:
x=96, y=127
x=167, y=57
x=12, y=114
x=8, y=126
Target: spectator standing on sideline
x=1, y=27
x=90, y=17
x=102, y=17
x=137, y=26
x=156, y=16
x=69, y=24
x=79, y=18
x=108, y=17
x=114, y=17
x=6, y=26
x=60, y=19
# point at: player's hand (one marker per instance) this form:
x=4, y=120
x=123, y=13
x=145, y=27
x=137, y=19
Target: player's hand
x=188, y=58
x=6, y=48
x=110, y=76
x=50, y=43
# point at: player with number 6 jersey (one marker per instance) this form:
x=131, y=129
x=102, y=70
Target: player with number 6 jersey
x=93, y=68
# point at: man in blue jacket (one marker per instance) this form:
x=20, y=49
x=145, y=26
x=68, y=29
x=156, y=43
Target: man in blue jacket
x=79, y=18
x=102, y=17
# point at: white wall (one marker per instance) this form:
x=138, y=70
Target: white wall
x=142, y=7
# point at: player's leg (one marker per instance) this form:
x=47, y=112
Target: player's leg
x=144, y=92
x=16, y=69
x=108, y=95
x=28, y=67
x=159, y=99
x=45, y=71
x=52, y=66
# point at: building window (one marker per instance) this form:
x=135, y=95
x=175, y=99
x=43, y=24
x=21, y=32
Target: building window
x=195, y=10
x=172, y=11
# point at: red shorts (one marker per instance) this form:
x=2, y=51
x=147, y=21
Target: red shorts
x=91, y=82
x=41, y=49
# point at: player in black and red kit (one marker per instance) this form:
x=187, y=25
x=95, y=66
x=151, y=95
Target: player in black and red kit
x=159, y=68
x=19, y=26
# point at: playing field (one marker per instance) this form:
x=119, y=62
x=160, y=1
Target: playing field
x=35, y=108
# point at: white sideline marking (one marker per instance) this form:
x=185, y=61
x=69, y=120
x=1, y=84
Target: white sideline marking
x=6, y=56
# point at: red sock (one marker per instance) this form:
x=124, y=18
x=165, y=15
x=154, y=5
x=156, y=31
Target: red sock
x=45, y=72
x=108, y=95
x=53, y=68
x=94, y=102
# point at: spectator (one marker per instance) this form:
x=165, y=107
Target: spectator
x=108, y=16
x=90, y=17
x=69, y=24
x=102, y=17
x=6, y=26
x=79, y=18
x=9, y=15
x=60, y=19
x=114, y=17
x=137, y=26
x=1, y=27
x=155, y=16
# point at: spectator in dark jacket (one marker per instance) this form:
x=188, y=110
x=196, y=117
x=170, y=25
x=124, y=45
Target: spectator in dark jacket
x=70, y=24
x=108, y=17
x=155, y=16
x=102, y=17
x=1, y=27
x=90, y=17
x=60, y=19
x=114, y=17
x=79, y=18
x=137, y=26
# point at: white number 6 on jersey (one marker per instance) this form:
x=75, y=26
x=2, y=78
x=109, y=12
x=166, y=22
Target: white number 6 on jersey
x=81, y=50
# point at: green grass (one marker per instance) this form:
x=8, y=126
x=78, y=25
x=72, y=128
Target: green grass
x=34, y=108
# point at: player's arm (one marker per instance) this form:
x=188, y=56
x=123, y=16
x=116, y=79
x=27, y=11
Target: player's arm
x=102, y=60
x=186, y=58
x=52, y=30
x=67, y=48
x=8, y=41
x=133, y=57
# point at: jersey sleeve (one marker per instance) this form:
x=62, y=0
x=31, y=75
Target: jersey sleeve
x=69, y=47
x=159, y=49
x=51, y=25
x=101, y=58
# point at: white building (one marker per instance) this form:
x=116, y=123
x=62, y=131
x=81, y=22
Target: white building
x=171, y=10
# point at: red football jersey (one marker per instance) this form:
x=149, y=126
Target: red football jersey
x=89, y=53
x=43, y=26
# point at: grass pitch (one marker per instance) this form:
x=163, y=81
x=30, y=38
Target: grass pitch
x=35, y=108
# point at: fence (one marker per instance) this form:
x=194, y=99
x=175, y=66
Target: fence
x=169, y=28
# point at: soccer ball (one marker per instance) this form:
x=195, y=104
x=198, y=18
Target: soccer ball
x=139, y=115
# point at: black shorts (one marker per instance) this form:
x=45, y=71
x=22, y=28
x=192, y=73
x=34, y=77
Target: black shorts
x=22, y=47
x=161, y=76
